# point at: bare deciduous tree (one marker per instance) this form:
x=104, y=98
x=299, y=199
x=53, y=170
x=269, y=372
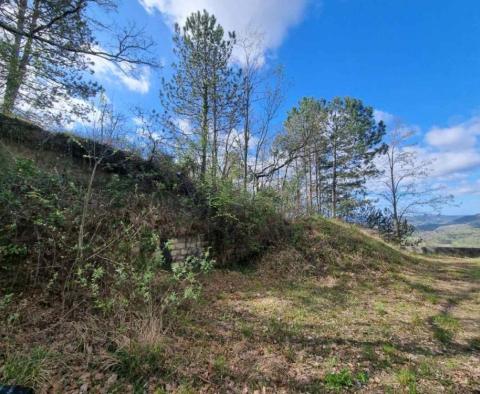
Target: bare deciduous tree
x=405, y=180
x=47, y=49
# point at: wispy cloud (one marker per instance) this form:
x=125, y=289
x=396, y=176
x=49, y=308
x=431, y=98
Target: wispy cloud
x=273, y=18
x=134, y=79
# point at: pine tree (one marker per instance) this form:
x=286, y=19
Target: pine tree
x=202, y=90
x=354, y=139
x=333, y=145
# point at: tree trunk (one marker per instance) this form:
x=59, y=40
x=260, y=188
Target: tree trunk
x=393, y=188
x=215, y=136
x=334, y=180
x=13, y=82
x=204, y=133
x=246, y=134
x=310, y=180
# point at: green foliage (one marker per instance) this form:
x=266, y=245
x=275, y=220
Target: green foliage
x=407, y=378
x=242, y=226
x=220, y=366
x=445, y=327
x=344, y=379
x=26, y=369
x=334, y=144
x=32, y=216
x=123, y=251
x=136, y=363
x=384, y=223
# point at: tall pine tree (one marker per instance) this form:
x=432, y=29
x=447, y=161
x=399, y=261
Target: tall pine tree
x=202, y=90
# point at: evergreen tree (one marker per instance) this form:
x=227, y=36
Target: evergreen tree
x=353, y=140
x=332, y=146
x=202, y=90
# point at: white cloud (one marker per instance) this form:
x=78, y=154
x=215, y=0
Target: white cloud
x=272, y=17
x=447, y=163
x=136, y=80
x=465, y=188
x=383, y=116
x=455, y=149
x=457, y=137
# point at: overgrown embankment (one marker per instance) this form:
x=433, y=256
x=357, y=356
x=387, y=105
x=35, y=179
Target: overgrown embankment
x=325, y=308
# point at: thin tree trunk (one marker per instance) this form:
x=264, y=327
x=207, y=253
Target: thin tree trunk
x=317, y=185
x=396, y=218
x=310, y=180
x=13, y=77
x=86, y=201
x=215, y=136
x=204, y=133
x=334, y=180
x=246, y=134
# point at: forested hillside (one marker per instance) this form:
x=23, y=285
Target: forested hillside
x=455, y=231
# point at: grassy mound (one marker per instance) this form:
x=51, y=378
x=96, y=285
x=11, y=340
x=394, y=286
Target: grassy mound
x=327, y=246
x=324, y=306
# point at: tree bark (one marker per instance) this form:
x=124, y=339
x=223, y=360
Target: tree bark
x=12, y=81
x=334, y=180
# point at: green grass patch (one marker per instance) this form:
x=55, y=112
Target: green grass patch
x=30, y=369
x=445, y=327
x=343, y=379
x=138, y=362
x=220, y=366
x=408, y=379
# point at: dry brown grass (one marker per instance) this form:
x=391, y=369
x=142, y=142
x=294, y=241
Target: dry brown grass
x=347, y=327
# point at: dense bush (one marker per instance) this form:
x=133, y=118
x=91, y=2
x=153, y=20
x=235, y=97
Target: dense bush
x=383, y=222
x=241, y=226
x=124, y=235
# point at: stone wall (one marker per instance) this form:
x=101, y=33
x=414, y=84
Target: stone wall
x=183, y=247
x=452, y=251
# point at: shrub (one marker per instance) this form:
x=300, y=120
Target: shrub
x=242, y=226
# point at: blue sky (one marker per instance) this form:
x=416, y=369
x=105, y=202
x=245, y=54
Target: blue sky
x=413, y=61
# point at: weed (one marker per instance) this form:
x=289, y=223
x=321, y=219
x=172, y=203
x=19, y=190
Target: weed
x=289, y=353
x=368, y=353
x=138, y=362
x=339, y=380
x=389, y=349
x=445, y=327
x=246, y=329
x=27, y=369
x=344, y=379
x=380, y=308
x=446, y=322
x=362, y=377
x=220, y=366
x=408, y=379
x=417, y=320
x=425, y=369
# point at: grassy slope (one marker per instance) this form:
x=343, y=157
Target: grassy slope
x=340, y=311
x=456, y=235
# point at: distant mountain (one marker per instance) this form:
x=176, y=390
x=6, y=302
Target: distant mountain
x=448, y=230
x=428, y=222
x=472, y=220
